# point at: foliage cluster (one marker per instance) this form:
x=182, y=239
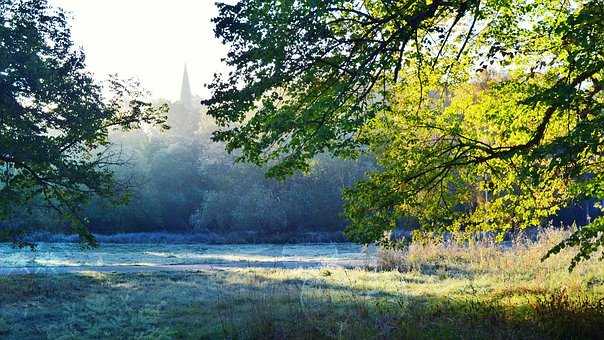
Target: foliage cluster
x=55, y=118
x=181, y=181
x=483, y=115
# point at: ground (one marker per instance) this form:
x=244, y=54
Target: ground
x=427, y=291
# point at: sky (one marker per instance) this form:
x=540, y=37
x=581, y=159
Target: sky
x=150, y=40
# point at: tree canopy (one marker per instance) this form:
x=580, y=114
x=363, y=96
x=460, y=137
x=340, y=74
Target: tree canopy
x=484, y=115
x=55, y=118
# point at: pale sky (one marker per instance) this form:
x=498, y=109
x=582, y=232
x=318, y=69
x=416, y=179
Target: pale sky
x=148, y=39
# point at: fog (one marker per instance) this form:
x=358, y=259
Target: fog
x=148, y=40
x=180, y=181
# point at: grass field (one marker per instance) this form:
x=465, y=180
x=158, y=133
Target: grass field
x=427, y=291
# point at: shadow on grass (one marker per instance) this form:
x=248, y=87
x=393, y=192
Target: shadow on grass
x=277, y=304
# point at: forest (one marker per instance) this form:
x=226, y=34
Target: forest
x=180, y=181
x=191, y=198
x=355, y=169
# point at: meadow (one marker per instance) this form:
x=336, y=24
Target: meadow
x=428, y=290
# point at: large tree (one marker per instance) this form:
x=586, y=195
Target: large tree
x=54, y=117
x=309, y=76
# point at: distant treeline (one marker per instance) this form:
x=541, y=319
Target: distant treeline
x=180, y=181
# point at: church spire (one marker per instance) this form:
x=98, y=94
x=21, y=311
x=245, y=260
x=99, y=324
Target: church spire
x=185, y=91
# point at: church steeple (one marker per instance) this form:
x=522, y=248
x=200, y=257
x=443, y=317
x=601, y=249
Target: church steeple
x=185, y=91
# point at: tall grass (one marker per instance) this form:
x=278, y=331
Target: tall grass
x=569, y=304
x=522, y=256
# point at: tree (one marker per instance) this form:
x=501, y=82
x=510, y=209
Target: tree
x=355, y=62
x=54, y=118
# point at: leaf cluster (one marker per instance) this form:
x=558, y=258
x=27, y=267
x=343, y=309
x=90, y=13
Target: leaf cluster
x=54, y=118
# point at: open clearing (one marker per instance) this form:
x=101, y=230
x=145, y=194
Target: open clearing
x=427, y=291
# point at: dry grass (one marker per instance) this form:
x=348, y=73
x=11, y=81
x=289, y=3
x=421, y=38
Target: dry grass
x=433, y=290
x=519, y=260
